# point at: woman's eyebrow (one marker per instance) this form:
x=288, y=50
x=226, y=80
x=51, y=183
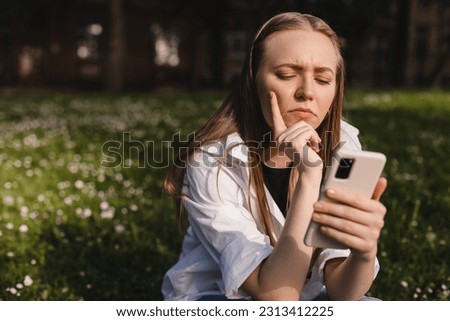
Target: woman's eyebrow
x=323, y=70
x=320, y=69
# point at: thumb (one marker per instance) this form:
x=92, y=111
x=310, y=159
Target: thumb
x=379, y=189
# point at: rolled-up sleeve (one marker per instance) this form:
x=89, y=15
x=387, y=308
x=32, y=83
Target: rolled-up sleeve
x=218, y=212
x=328, y=254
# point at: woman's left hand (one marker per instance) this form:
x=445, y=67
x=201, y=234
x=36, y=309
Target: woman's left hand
x=352, y=219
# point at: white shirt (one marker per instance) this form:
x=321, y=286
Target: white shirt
x=225, y=242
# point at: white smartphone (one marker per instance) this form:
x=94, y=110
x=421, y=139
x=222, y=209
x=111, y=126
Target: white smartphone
x=351, y=171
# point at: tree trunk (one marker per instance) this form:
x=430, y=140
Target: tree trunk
x=401, y=40
x=116, y=55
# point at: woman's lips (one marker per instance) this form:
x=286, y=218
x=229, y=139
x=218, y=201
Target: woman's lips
x=303, y=113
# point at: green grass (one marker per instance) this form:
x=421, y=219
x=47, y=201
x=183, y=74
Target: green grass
x=71, y=229
x=411, y=128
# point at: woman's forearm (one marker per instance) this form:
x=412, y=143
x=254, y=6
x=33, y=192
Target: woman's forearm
x=283, y=274
x=350, y=278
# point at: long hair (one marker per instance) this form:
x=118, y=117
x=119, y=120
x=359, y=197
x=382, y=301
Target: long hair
x=241, y=112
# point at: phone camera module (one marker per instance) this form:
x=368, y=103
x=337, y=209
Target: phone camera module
x=345, y=167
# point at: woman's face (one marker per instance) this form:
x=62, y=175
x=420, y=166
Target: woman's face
x=300, y=68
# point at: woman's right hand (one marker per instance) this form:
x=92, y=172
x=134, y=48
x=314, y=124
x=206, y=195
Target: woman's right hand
x=300, y=142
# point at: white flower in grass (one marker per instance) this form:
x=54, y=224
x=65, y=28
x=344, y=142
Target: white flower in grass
x=404, y=284
x=118, y=177
x=8, y=200
x=120, y=228
x=17, y=163
x=12, y=291
x=431, y=237
x=79, y=184
x=134, y=207
x=24, y=211
x=68, y=200
x=9, y=226
x=27, y=281
x=108, y=214
x=104, y=205
x=87, y=212
x=43, y=163
x=23, y=228
x=44, y=295
x=19, y=286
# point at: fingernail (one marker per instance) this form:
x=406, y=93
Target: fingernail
x=331, y=192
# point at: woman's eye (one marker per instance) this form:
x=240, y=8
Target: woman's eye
x=323, y=81
x=285, y=76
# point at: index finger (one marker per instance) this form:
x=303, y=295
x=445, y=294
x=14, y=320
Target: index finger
x=277, y=120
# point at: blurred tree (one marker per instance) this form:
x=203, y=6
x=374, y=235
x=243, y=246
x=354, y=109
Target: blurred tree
x=116, y=54
x=436, y=75
x=401, y=42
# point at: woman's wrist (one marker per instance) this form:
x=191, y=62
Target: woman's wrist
x=312, y=172
x=364, y=256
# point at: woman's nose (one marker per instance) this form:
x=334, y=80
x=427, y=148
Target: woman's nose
x=304, y=90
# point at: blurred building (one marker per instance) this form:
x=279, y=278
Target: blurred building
x=428, y=44
x=407, y=45
x=143, y=45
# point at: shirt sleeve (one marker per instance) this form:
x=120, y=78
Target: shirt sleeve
x=328, y=254
x=218, y=212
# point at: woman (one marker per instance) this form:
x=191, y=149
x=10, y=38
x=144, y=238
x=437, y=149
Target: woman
x=250, y=178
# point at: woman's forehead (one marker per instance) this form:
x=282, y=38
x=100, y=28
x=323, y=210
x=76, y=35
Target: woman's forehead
x=297, y=46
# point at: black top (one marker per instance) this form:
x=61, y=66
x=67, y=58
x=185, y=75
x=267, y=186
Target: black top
x=277, y=182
